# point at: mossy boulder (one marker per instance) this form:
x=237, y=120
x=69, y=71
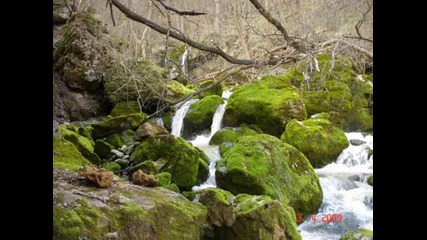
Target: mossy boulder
x=125, y=108
x=83, y=144
x=219, y=204
x=173, y=155
x=164, y=178
x=318, y=139
x=361, y=234
x=336, y=87
x=112, y=166
x=117, y=124
x=217, y=90
x=200, y=114
x=259, y=218
x=116, y=140
x=264, y=165
x=167, y=120
x=269, y=103
x=149, y=129
x=148, y=81
x=103, y=148
x=66, y=155
x=227, y=136
x=126, y=210
x=81, y=55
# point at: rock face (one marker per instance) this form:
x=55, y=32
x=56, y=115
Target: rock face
x=79, y=62
x=361, y=234
x=269, y=103
x=84, y=212
x=260, y=217
x=170, y=154
x=264, y=165
x=318, y=139
x=200, y=114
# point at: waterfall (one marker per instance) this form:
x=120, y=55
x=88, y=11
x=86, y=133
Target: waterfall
x=202, y=142
x=178, y=118
x=345, y=192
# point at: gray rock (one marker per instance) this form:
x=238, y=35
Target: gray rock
x=357, y=142
x=149, y=128
x=117, y=153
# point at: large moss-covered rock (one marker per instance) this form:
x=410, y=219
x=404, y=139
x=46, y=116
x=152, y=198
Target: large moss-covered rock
x=219, y=204
x=66, y=155
x=83, y=144
x=226, y=137
x=336, y=87
x=371, y=180
x=318, y=139
x=126, y=211
x=116, y=140
x=103, y=148
x=259, y=218
x=269, y=103
x=125, y=108
x=173, y=155
x=264, y=165
x=202, y=172
x=200, y=114
x=361, y=234
x=117, y=124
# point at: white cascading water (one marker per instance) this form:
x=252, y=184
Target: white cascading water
x=345, y=192
x=202, y=142
x=178, y=118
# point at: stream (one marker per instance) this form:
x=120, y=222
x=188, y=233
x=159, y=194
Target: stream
x=347, y=197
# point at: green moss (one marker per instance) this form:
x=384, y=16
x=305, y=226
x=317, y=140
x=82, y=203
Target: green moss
x=148, y=167
x=125, y=108
x=116, y=140
x=173, y=155
x=167, y=120
x=85, y=131
x=217, y=90
x=112, y=166
x=263, y=165
x=371, y=180
x=84, y=145
x=164, y=178
x=269, y=103
x=66, y=224
x=117, y=124
x=200, y=114
x=103, y=149
x=226, y=137
x=317, y=138
x=128, y=136
x=178, y=90
x=172, y=187
x=336, y=88
x=260, y=217
x=361, y=234
x=66, y=155
x=202, y=172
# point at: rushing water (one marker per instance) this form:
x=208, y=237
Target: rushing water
x=345, y=192
x=344, y=182
x=178, y=118
x=202, y=141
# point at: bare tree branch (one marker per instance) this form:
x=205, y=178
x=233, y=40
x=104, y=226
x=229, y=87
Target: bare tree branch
x=138, y=18
x=180, y=12
x=352, y=45
x=359, y=24
x=271, y=19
